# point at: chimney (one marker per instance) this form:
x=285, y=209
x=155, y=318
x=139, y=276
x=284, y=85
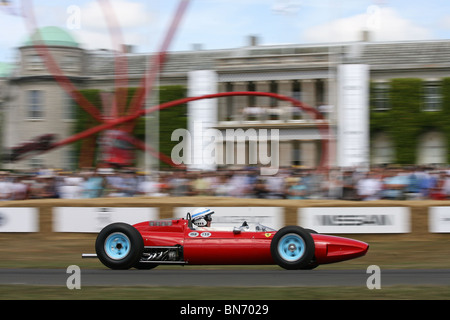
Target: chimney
x=197, y=47
x=365, y=36
x=253, y=41
x=127, y=48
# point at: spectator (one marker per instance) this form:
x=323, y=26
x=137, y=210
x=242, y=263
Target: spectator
x=93, y=185
x=19, y=189
x=334, y=184
x=201, y=185
x=259, y=189
x=446, y=185
x=369, y=187
x=297, y=189
x=223, y=187
x=38, y=188
x=152, y=187
x=413, y=191
x=239, y=186
x=348, y=186
x=437, y=192
x=385, y=183
x=71, y=188
x=5, y=187
x=394, y=185
x=129, y=184
x=180, y=185
x=275, y=186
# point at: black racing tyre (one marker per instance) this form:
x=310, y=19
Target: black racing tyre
x=292, y=248
x=119, y=246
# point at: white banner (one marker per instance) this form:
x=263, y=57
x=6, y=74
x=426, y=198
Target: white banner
x=439, y=220
x=272, y=217
x=353, y=115
x=201, y=82
x=93, y=219
x=19, y=220
x=356, y=219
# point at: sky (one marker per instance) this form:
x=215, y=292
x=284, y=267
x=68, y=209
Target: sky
x=223, y=24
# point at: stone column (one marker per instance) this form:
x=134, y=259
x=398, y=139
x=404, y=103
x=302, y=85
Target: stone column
x=222, y=103
x=309, y=95
x=285, y=89
x=285, y=153
x=308, y=153
x=239, y=102
x=262, y=102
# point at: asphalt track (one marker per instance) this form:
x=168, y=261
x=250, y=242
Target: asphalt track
x=183, y=276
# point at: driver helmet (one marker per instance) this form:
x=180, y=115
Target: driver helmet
x=201, y=217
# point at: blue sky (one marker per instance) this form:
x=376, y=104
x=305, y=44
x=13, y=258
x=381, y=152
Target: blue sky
x=218, y=24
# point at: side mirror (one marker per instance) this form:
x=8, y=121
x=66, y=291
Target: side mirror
x=236, y=230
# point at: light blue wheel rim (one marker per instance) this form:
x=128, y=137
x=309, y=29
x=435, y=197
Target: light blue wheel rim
x=291, y=247
x=117, y=246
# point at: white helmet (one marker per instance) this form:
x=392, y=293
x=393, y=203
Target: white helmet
x=201, y=216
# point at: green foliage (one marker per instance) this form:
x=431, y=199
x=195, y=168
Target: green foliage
x=406, y=119
x=83, y=120
x=172, y=118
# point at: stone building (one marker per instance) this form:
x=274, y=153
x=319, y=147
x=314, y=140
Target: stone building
x=35, y=104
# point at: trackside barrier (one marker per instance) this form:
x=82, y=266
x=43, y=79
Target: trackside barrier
x=376, y=220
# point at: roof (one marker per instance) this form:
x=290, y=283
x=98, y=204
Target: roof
x=265, y=61
x=52, y=36
x=5, y=69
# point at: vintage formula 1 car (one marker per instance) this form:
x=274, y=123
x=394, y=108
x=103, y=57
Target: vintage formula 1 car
x=148, y=244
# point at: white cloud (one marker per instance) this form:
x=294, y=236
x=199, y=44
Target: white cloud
x=134, y=23
x=286, y=6
x=129, y=14
x=385, y=25
x=444, y=22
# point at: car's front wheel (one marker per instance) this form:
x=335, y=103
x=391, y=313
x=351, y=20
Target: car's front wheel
x=119, y=246
x=292, y=248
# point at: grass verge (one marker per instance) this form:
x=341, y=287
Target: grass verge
x=22, y=292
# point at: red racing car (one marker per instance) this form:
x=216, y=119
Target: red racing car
x=178, y=242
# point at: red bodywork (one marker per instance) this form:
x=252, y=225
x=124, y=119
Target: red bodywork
x=210, y=246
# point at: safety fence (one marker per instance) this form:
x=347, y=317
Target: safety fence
x=402, y=220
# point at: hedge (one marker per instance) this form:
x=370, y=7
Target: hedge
x=405, y=120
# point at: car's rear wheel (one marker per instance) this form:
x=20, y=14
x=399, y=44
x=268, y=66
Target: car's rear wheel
x=292, y=248
x=119, y=246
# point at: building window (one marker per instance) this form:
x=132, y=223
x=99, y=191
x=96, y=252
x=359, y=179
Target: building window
x=433, y=97
x=251, y=99
x=69, y=105
x=381, y=96
x=296, y=153
x=297, y=95
x=383, y=151
x=432, y=148
x=297, y=90
x=320, y=92
x=273, y=89
x=35, y=104
x=34, y=62
x=71, y=63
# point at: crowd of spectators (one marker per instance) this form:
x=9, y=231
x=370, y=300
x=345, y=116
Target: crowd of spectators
x=395, y=183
